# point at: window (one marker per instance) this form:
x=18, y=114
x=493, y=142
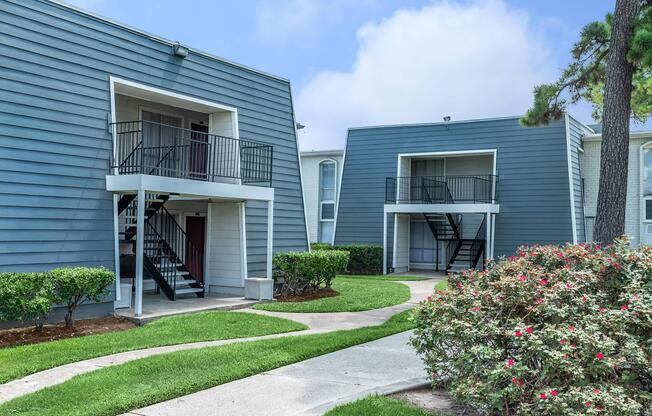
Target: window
x=647, y=171
x=648, y=210
x=327, y=181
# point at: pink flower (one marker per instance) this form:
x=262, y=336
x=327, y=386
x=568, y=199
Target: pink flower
x=624, y=307
x=518, y=334
x=571, y=328
x=543, y=282
x=529, y=330
x=553, y=393
x=562, y=341
x=475, y=309
x=460, y=286
x=543, y=396
x=568, y=286
x=587, y=404
x=429, y=298
x=522, y=278
x=596, y=391
x=584, y=299
x=540, y=301
x=510, y=363
x=573, y=346
x=599, y=356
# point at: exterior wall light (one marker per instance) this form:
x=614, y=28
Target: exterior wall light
x=180, y=50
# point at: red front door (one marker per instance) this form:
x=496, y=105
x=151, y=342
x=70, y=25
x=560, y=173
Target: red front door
x=196, y=231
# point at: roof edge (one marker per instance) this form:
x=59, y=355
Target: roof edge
x=61, y=3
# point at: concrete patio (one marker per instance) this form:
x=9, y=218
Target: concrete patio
x=158, y=305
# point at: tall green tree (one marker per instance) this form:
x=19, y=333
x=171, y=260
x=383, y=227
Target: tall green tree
x=612, y=69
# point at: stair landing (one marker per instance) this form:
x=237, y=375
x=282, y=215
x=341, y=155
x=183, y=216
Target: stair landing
x=158, y=305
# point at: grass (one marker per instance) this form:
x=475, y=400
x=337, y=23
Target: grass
x=17, y=362
x=441, y=285
x=387, y=278
x=377, y=406
x=355, y=295
x=118, y=389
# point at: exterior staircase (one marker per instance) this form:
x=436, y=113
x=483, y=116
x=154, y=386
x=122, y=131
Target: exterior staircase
x=167, y=248
x=461, y=253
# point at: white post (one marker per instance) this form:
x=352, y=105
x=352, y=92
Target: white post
x=140, y=248
x=487, y=248
x=116, y=246
x=384, y=243
x=493, y=233
x=270, y=237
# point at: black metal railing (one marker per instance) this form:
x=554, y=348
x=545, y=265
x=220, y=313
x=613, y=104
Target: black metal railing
x=170, y=249
x=441, y=189
x=158, y=149
x=478, y=245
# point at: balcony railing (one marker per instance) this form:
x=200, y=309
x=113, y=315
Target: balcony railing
x=461, y=189
x=144, y=147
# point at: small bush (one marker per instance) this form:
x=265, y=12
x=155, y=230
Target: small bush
x=25, y=297
x=321, y=246
x=552, y=330
x=301, y=272
x=363, y=258
x=73, y=286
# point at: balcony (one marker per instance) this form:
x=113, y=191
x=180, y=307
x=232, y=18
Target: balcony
x=459, y=189
x=148, y=148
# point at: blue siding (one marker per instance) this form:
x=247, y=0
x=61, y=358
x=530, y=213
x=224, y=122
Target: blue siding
x=55, y=146
x=532, y=165
x=576, y=131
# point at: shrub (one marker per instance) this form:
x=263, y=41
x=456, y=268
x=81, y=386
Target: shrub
x=552, y=330
x=321, y=246
x=25, y=297
x=363, y=258
x=73, y=286
x=301, y=272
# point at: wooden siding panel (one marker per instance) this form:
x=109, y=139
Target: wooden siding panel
x=55, y=145
x=533, y=187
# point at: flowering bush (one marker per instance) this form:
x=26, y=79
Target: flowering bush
x=550, y=331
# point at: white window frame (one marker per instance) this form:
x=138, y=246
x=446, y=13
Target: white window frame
x=326, y=201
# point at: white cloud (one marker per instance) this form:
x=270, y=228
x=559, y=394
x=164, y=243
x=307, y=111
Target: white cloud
x=278, y=21
x=476, y=60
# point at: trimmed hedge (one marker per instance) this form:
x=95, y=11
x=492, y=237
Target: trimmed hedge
x=303, y=272
x=31, y=296
x=363, y=258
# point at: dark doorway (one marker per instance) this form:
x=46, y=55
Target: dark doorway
x=196, y=231
x=199, y=151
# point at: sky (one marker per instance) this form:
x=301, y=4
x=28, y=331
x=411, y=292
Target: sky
x=374, y=62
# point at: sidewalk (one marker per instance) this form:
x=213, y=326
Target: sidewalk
x=310, y=387
x=317, y=322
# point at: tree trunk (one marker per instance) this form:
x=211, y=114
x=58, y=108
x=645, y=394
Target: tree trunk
x=612, y=193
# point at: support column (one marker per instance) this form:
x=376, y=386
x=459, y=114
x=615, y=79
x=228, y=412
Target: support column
x=487, y=227
x=140, y=248
x=270, y=237
x=116, y=246
x=384, y=243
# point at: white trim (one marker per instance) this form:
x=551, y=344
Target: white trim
x=488, y=253
x=207, y=247
x=324, y=153
x=303, y=194
x=474, y=120
x=339, y=187
x=643, y=222
x=216, y=106
x=442, y=208
x=243, y=243
x=189, y=187
x=395, y=242
x=116, y=246
x=493, y=234
x=114, y=134
x=633, y=135
x=270, y=237
x=452, y=153
x=384, y=243
x=571, y=186
x=140, y=247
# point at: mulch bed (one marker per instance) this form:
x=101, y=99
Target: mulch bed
x=321, y=293
x=29, y=335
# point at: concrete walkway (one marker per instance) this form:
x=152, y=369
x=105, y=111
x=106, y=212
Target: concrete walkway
x=317, y=322
x=310, y=387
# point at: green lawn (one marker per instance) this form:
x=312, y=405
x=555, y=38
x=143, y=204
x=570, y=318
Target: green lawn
x=377, y=406
x=387, y=277
x=441, y=285
x=17, y=362
x=118, y=389
x=355, y=295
